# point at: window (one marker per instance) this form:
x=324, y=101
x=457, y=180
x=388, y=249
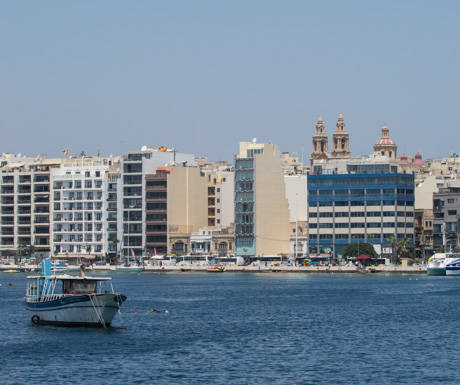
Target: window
x=451, y=212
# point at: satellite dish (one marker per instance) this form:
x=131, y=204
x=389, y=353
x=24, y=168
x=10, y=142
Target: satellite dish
x=144, y=148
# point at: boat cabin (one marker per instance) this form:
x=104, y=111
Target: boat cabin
x=46, y=288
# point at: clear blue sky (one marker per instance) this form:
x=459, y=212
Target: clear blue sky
x=204, y=75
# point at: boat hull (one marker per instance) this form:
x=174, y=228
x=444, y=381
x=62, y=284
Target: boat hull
x=454, y=270
x=76, y=310
x=130, y=269
x=436, y=271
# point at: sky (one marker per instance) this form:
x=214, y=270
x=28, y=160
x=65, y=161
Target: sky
x=201, y=76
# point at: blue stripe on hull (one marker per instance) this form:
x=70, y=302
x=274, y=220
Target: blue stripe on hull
x=68, y=301
x=70, y=307
x=74, y=324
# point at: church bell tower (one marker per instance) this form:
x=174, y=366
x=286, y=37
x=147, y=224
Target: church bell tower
x=340, y=140
x=320, y=142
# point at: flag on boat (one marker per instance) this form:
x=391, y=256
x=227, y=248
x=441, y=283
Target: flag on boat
x=65, y=151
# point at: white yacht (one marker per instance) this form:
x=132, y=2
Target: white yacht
x=453, y=264
x=444, y=264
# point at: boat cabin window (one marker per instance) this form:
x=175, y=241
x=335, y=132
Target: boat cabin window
x=78, y=286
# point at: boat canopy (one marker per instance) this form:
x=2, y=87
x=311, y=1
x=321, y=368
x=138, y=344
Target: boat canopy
x=68, y=277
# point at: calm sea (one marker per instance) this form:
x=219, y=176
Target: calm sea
x=246, y=329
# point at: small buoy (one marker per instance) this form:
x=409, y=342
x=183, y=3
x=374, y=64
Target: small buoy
x=136, y=312
x=10, y=284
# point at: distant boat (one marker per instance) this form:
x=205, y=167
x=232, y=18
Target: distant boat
x=130, y=268
x=65, y=300
x=216, y=268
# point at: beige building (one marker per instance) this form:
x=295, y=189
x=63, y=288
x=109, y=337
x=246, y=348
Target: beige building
x=292, y=165
x=261, y=206
x=187, y=203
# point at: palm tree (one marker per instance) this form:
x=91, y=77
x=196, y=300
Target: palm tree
x=394, y=256
x=115, y=242
x=371, y=238
x=404, y=247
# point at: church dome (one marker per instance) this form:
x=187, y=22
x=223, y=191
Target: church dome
x=385, y=142
x=418, y=162
x=403, y=161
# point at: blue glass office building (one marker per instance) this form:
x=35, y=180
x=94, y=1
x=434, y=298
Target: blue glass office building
x=366, y=204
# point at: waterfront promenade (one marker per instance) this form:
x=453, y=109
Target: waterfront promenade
x=256, y=268
x=262, y=268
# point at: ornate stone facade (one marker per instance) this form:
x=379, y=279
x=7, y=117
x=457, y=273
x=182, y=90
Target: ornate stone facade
x=340, y=140
x=320, y=142
x=385, y=146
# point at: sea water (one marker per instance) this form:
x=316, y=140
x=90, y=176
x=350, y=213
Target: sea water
x=245, y=329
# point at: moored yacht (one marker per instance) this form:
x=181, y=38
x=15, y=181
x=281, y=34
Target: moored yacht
x=437, y=264
x=444, y=264
x=453, y=265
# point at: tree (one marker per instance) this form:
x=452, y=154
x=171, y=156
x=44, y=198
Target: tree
x=355, y=250
x=403, y=247
x=394, y=255
x=88, y=249
x=115, y=241
x=25, y=250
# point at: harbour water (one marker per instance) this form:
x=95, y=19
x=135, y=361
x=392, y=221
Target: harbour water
x=246, y=328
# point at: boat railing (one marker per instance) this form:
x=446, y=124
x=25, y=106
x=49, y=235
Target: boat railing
x=45, y=298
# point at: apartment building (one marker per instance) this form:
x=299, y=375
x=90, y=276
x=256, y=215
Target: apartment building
x=358, y=200
x=25, y=188
x=187, y=206
x=136, y=166
x=261, y=207
x=81, y=203
x=446, y=213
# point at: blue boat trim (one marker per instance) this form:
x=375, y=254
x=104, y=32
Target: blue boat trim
x=74, y=324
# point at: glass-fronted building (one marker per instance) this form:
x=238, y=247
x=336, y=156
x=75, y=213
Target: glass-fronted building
x=367, y=203
x=244, y=205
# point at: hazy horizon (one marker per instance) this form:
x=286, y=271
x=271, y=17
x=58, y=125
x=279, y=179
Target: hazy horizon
x=203, y=76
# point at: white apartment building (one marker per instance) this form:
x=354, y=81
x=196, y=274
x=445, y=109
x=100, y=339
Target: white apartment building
x=79, y=208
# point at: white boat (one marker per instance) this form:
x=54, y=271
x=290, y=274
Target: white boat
x=130, y=268
x=57, y=267
x=65, y=300
x=102, y=267
x=438, y=263
x=453, y=264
